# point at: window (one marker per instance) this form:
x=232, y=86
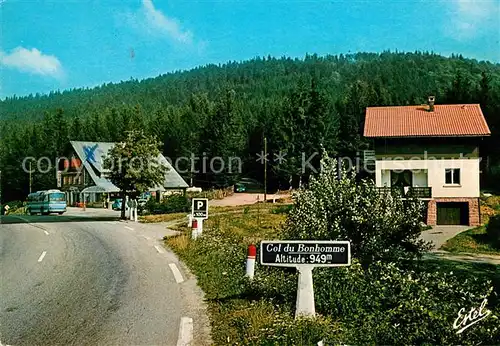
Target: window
x=57, y=197
x=452, y=176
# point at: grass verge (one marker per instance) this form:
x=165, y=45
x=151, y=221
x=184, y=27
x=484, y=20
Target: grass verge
x=162, y=217
x=472, y=241
x=244, y=312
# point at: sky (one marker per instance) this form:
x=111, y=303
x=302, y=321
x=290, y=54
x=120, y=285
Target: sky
x=64, y=44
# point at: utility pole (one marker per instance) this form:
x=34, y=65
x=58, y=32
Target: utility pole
x=1, y=206
x=265, y=169
x=30, y=176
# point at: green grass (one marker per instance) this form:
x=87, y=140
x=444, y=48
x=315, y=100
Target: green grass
x=475, y=240
x=252, y=223
x=162, y=217
x=472, y=241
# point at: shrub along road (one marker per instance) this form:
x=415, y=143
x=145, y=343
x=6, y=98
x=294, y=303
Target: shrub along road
x=92, y=282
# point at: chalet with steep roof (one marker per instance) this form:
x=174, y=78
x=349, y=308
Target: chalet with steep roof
x=83, y=175
x=431, y=152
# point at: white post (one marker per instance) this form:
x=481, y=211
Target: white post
x=250, y=268
x=135, y=214
x=305, y=292
x=194, y=231
x=199, y=230
x=190, y=220
x=131, y=210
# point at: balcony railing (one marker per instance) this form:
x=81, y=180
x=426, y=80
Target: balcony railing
x=415, y=192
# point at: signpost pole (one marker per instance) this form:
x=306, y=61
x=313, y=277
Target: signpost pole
x=30, y=176
x=194, y=229
x=305, y=293
x=199, y=229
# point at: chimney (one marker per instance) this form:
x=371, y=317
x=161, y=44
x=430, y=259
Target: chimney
x=431, y=103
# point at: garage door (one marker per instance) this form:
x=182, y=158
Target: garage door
x=452, y=213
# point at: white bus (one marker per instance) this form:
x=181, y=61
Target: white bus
x=46, y=202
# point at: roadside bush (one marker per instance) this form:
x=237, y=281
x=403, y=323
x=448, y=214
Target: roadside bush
x=493, y=231
x=379, y=226
x=175, y=203
x=15, y=207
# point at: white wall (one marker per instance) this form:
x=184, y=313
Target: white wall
x=469, y=175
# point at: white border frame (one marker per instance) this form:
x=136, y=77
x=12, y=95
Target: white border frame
x=333, y=242
x=192, y=208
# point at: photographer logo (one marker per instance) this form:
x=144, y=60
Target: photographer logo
x=475, y=315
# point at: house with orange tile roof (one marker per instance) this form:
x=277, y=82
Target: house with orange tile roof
x=431, y=152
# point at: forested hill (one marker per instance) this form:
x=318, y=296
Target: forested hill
x=397, y=78
x=227, y=110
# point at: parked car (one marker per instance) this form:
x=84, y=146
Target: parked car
x=248, y=185
x=117, y=204
x=238, y=187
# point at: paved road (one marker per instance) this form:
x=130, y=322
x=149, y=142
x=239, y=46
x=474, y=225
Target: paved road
x=80, y=280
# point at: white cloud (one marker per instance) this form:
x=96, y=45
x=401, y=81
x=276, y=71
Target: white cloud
x=32, y=61
x=151, y=20
x=471, y=16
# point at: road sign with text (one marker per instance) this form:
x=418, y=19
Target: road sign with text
x=305, y=255
x=292, y=253
x=200, y=208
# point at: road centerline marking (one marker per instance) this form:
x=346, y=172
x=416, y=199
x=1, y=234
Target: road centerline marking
x=46, y=233
x=159, y=249
x=177, y=273
x=145, y=237
x=129, y=228
x=185, y=332
x=42, y=256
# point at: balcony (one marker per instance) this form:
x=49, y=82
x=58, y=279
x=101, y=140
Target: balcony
x=408, y=192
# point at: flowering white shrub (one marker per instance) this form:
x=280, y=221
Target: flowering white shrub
x=379, y=226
